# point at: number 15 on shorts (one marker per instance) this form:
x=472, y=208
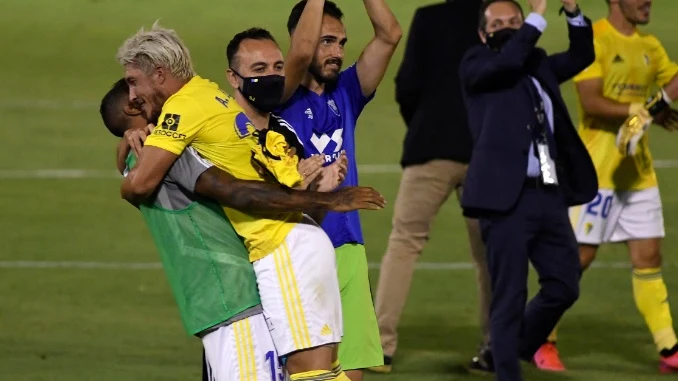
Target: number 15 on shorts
x=277, y=373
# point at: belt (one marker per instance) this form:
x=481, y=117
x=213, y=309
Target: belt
x=535, y=183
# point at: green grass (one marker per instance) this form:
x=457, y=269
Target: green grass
x=108, y=324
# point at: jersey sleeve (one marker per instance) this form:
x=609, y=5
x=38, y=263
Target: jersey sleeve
x=130, y=162
x=595, y=70
x=187, y=168
x=284, y=128
x=179, y=124
x=350, y=83
x=666, y=69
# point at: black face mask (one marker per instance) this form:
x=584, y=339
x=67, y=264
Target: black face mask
x=263, y=93
x=497, y=40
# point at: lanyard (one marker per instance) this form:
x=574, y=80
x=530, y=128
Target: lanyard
x=547, y=165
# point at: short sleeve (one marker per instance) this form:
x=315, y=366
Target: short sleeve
x=187, y=168
x=666, y=69
x=350, y=84
x=595, y=70
x=180, y=122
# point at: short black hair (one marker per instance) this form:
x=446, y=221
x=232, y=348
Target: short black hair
x=249, y=34
x=331, y=9
x=482, y=21
x=111, y=108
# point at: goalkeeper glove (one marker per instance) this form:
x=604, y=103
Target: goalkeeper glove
x=670, y=121
x=640, y=118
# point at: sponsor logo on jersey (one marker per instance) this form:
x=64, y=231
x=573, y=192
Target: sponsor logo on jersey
x=169, y=126
x=322, y=142
x=171, y=122
x=169, y=134
x=631, y=89
x=329, y=146
x=333, y=107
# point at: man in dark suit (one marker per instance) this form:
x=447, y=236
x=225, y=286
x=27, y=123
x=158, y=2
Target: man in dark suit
x=435, y=158
x=528, y=166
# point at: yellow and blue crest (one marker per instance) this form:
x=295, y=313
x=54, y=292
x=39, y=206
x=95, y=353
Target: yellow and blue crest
x=243, y=125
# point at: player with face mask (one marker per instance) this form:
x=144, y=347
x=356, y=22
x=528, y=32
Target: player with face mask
x=293, y=258
x=206, y=263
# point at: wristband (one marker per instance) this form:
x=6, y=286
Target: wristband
x=656, y=103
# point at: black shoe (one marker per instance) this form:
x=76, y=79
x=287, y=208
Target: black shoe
x=482, y=363
x=669, y=352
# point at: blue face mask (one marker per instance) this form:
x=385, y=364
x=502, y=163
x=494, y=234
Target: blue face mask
x=496, y=40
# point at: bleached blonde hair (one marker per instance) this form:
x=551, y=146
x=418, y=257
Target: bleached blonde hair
x=157, y=47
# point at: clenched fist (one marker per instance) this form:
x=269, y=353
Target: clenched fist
x=538, y=6
x=569, y=5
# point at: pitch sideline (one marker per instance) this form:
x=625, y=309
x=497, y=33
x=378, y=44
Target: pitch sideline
x=64, y=174
x=420, y=266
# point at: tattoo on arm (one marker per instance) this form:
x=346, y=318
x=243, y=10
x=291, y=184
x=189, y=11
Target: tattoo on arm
x=258, y=196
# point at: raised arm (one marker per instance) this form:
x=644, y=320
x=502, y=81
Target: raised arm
x=409, y=78
x=581, y=52
x=304, y=41
x=374, y=60
x=481, y=70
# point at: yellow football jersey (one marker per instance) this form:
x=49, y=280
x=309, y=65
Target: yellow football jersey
x=203, y=116
x=630, y=67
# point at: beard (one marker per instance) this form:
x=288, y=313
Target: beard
x=634, y=15
x=154, y=107
x=329, y=77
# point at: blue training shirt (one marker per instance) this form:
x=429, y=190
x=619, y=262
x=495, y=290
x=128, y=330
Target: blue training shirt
x=326, y=125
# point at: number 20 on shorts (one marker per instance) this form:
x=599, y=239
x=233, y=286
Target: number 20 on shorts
x=600, y=205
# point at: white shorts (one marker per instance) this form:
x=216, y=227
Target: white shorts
x=619, y=217
x=242, y=351
x=300, y=291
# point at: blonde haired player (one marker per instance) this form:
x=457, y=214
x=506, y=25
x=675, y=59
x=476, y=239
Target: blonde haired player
x=293, y=258
x=620, y=89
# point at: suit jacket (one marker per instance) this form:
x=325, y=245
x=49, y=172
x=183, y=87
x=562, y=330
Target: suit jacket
x=501, y=115
x=427, y=84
